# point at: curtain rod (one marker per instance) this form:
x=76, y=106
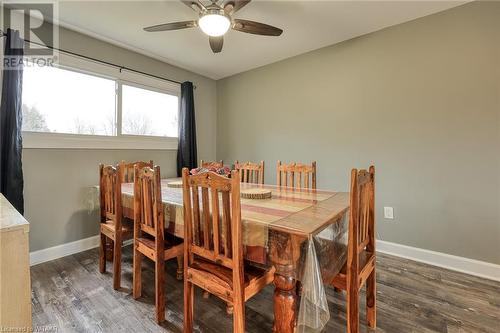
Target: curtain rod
x=120, y=67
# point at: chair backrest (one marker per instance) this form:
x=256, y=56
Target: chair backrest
x=250, y=172
x=128, y=169
x=362, y=214
x=148, y=209
x=216, y=164
x=296, y=175
x=212, y=218
x=110, y=193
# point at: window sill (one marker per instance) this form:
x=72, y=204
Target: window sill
x=34, y=140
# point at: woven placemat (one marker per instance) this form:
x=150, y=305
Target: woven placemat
x=255, y=193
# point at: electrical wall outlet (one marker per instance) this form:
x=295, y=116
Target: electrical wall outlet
x=389, y=213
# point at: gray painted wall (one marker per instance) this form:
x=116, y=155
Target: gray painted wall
x=420, y=101
x=56, y=190
x=56, y=180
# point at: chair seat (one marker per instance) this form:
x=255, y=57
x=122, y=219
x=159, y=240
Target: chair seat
x=109, y=228
x=366, y=262
x=255, y=279
x=173, y=246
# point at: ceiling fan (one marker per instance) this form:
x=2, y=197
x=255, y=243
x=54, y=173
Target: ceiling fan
x=216, y=19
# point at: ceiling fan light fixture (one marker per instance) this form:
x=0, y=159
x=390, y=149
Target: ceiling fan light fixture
x=214, y=24
x=215, y=19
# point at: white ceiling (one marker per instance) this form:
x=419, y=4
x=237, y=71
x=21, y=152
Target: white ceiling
x=307, y=25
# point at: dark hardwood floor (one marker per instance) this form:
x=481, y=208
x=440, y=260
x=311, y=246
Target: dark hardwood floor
x=71, y=295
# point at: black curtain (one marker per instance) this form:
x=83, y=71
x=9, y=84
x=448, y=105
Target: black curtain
x=11, y=145
x=186, y=152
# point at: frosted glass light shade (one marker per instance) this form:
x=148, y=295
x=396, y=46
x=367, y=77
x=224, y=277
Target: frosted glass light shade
x=214, y=24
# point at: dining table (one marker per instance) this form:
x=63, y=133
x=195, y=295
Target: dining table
x=301, y=232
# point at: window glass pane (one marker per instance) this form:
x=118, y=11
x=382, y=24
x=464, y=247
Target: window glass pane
x=64, y=101
x=147, y=112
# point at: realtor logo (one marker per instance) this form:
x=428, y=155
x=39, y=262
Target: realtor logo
x=33, y=21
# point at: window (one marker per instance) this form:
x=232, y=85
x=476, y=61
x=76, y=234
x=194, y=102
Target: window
x=147, y=112
x=62, y=101
x=73, y=106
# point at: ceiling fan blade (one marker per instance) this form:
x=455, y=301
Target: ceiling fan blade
x=232, y=6
x=172, y=26
x=256, y=28
x=216, y=43
x=195, y=5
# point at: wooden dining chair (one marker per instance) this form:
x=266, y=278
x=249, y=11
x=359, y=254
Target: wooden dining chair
x=296, y=175
x=213, y=252
x=128, y=169
x=360, y=266
x=150, y=239
x=250, y=172
x=112, y=227
x=217, y=164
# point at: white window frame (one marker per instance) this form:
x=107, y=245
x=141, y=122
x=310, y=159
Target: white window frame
x=44, y=140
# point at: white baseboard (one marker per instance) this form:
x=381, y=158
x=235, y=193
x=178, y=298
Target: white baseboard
x=460, y=264
x=59, y=251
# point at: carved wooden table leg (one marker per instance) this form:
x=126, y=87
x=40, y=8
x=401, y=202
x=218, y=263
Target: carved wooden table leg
x=229, y=308
x=284, y=254
x=285, y=304
x=180, y=268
